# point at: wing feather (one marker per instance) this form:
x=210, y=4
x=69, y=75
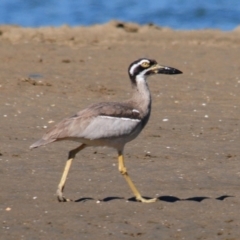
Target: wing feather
x=108, y=127
x=101, y=120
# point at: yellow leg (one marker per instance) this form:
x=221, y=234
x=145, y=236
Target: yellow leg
x=61, y=185
x=123, y=171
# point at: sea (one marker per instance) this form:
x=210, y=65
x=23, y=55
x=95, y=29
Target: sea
x=176, y=14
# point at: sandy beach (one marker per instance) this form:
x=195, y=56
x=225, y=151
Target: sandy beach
x=187, y=156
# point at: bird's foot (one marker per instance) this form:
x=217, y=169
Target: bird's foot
x=144, y=200
x=61, y=198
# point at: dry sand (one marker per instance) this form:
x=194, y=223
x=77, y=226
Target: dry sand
x=189, y=161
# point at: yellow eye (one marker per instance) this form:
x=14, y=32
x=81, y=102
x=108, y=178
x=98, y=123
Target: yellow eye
x=145, y=64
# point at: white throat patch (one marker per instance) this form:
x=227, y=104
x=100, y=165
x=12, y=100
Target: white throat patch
x=142, y=77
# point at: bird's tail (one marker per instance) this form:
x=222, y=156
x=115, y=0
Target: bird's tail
x=41, y=142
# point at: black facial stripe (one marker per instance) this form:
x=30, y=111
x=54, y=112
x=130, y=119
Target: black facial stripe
x=138, y=69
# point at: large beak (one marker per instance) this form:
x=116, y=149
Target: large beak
x=165, y=70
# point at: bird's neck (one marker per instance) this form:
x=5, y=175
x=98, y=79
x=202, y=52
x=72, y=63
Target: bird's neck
x=141, y=95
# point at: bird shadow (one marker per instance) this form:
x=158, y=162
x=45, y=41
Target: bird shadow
x=173, y=199
x=106, y=199
x=85, y=199
x=170, y=199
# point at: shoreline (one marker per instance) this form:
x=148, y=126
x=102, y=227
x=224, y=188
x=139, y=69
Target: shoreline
x=116, y=31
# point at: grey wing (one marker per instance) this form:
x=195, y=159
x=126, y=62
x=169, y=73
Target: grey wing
x=105, y=120
x=95, y=122
x=108, y=127
x=92, y=128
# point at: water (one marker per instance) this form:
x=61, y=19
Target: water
x=177, y=14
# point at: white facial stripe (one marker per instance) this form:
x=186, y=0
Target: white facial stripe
x=144, y=60
x=136, y=65
x=122, y=118
x=133, y=68
x=135, y=110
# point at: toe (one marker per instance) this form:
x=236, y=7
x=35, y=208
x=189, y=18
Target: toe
x=144, y=200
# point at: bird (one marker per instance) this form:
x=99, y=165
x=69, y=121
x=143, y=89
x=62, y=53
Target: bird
x=110, y=124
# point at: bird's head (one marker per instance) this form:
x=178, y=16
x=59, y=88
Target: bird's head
x=144, y=67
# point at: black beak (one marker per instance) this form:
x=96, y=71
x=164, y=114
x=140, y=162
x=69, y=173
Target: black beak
x=164, y=70
x=168, y=70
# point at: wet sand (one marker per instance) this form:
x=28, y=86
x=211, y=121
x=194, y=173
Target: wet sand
x=187, y=156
